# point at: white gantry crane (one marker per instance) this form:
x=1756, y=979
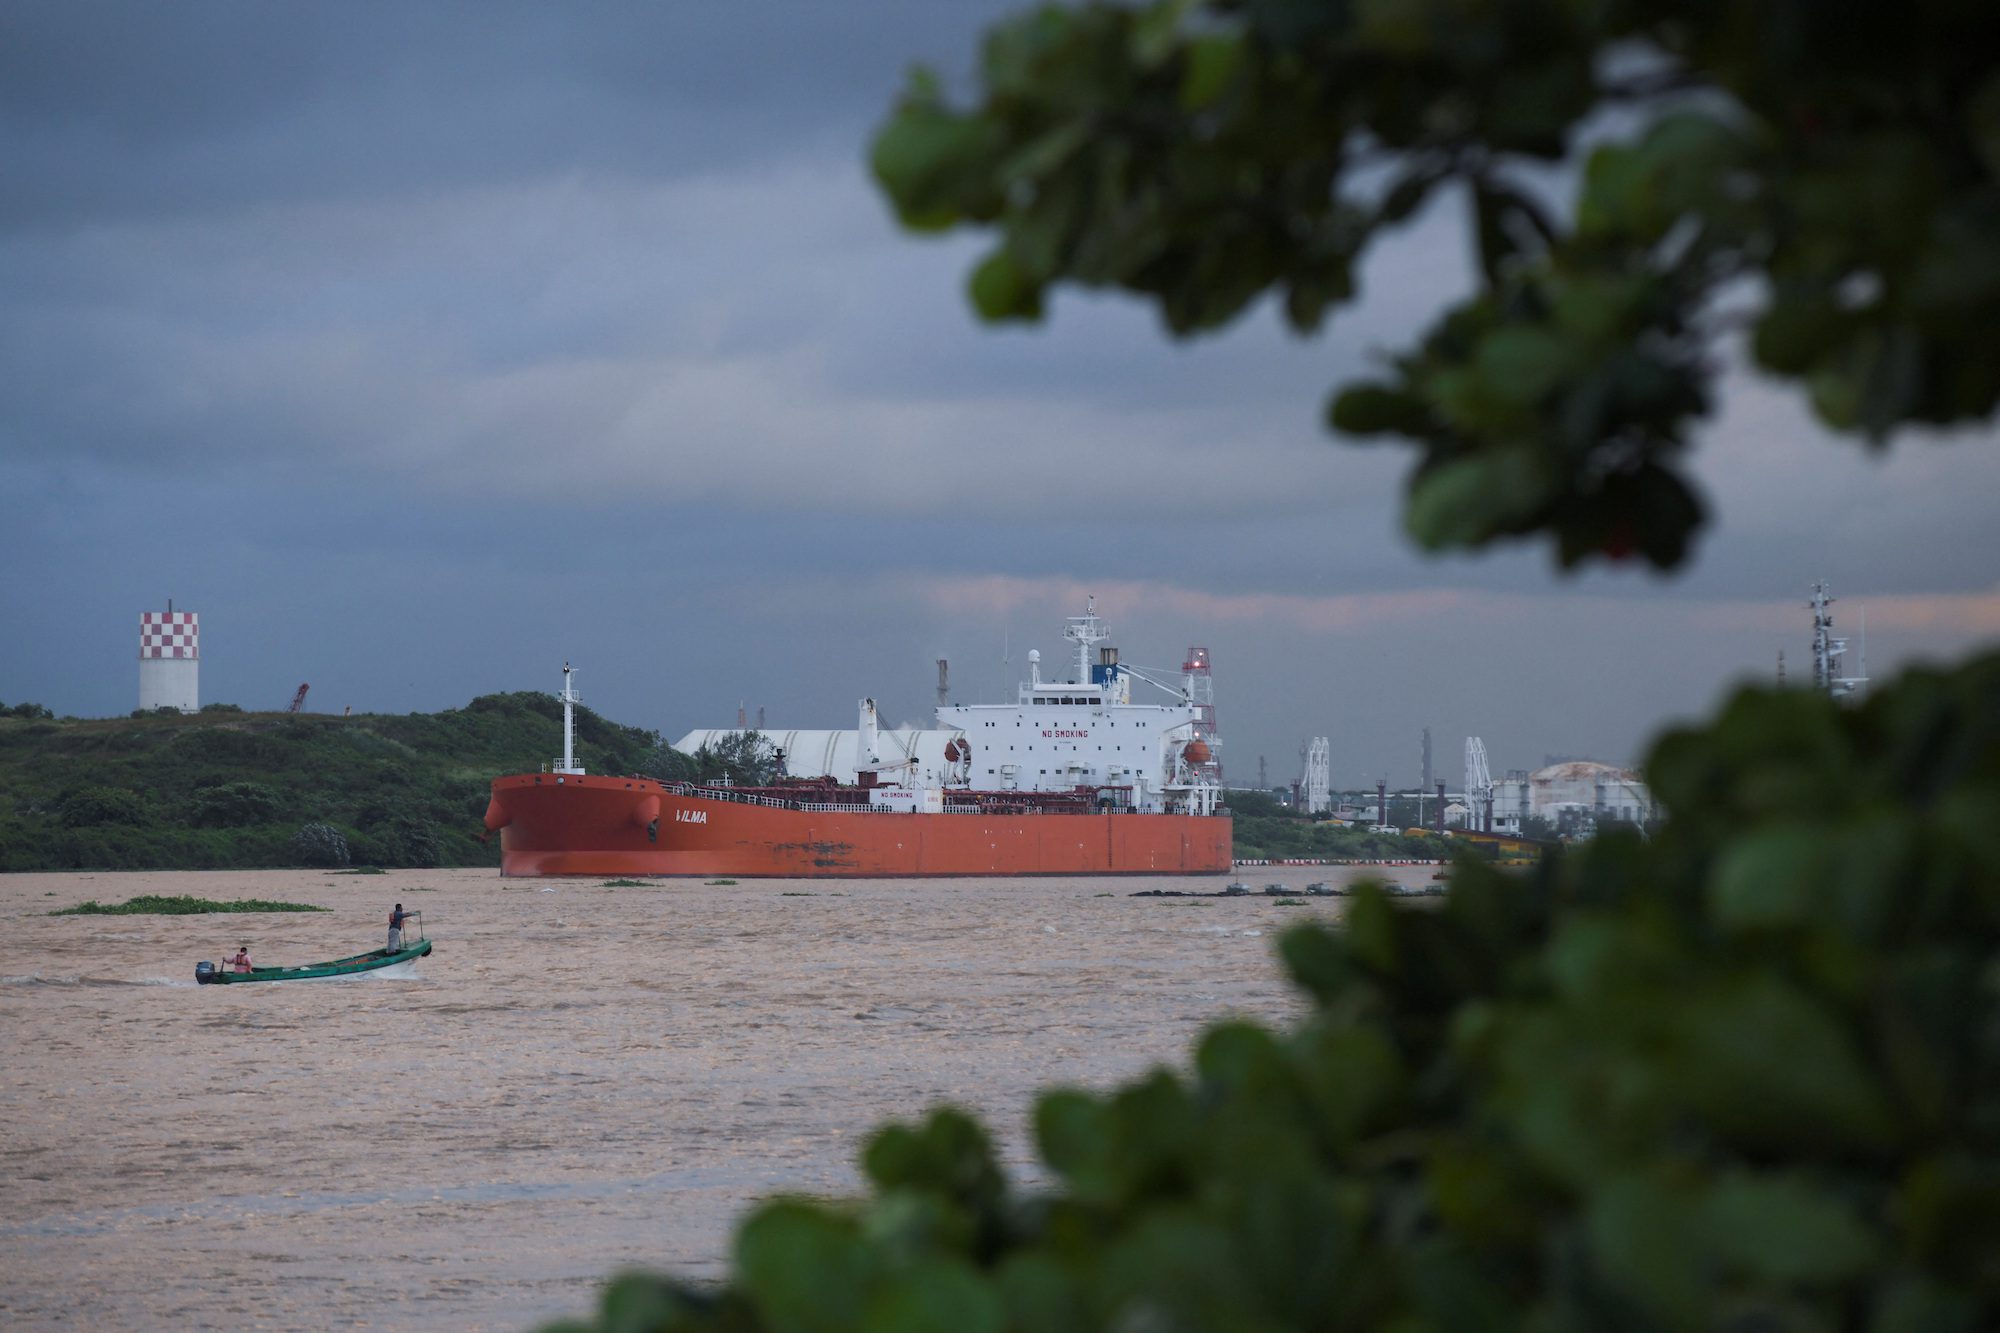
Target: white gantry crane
x=1317, y=793
x=1478, y=786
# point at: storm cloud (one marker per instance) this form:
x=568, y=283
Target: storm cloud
x=420, y=348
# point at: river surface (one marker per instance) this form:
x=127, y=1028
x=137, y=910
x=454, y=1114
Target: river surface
x=582, y=1078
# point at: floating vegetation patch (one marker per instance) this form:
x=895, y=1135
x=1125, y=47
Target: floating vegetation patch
x=793, y=893
x=623, y=884
x=363, y=870
x=1290, y=902
x=722, y=881
x=152, y=904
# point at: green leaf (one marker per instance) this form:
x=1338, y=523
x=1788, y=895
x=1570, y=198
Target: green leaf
x=1524, y=364
x=920, y=157
x=1648, y=1241
x=938, y=1294
x=1724, y=1038
x=1001, y=291
x=1076, y=1134
x=1773, y=878
x=1465, y=501
x=804, y=1267
x=1785, y=1229
x=1212, y=63
x=1378, y=409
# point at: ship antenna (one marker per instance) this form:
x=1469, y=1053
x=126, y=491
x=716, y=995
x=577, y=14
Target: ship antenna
x=570, y=699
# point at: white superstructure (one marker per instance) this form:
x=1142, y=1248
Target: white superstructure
x=1056, y=736
x=169, y=660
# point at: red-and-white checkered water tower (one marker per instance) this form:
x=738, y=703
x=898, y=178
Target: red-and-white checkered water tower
x=169, y=660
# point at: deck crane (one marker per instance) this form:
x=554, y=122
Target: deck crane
x=299, y=699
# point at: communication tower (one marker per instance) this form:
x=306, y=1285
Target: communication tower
x=169, y=660
x=1829, y=651
x=1200, y=687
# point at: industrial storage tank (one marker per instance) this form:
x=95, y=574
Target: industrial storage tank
x=1604, y=791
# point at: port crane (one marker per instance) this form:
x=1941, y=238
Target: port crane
x=299, y=699
x=1478, y=786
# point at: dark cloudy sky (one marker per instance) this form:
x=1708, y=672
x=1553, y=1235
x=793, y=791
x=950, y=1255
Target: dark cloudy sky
x=421, y=347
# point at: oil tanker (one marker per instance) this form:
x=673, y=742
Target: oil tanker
x=1071, y=778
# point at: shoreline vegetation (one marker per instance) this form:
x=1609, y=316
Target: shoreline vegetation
x=154, y=904
x=223, y=789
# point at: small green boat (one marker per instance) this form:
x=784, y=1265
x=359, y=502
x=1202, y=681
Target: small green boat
x=377, y=962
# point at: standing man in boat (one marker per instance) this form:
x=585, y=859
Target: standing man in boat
x=396, y=929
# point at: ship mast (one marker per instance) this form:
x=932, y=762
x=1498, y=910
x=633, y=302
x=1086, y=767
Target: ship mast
x=1085, y=631
x=570, y=699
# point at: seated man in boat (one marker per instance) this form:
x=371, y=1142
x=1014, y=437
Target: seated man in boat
x=396, y=929
x=241, y=962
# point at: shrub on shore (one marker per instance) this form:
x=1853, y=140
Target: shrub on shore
x=181, y=905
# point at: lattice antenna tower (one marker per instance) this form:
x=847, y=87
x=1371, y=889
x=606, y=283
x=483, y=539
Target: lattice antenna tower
x=1829, y=649
x=1200, y=686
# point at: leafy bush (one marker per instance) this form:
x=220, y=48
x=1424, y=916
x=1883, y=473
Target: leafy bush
x=89, y=806
x=221, y=708
x=32, y=712
x=233, y=805
x=320, y=845
x=1745, y=1075
x=744, y=758
x=408, y=842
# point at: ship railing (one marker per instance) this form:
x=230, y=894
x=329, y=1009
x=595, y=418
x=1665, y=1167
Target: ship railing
x=846, y=807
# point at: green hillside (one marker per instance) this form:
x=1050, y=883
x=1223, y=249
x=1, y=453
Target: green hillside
x=226, y=789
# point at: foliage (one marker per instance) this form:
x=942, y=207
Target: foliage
x=228, y=789
x=31, y=712
x=221, y=708
x=1827, y=174
x=1282, y=836
x=233, y=805
x=1249, y=801
x=1537, y=827
x=404, y=841
x=320, y=845
x=1744, y=1075
x=87, y=806
x=151, y=904
x=743, y=758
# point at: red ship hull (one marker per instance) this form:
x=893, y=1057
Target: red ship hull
x=586, y=825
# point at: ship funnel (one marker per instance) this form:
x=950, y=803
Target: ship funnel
x=867, y=753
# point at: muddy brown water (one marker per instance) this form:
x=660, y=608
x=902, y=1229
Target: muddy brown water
x=581, y=1079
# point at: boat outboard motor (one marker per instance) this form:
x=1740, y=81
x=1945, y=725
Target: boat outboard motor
x=203, y=971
